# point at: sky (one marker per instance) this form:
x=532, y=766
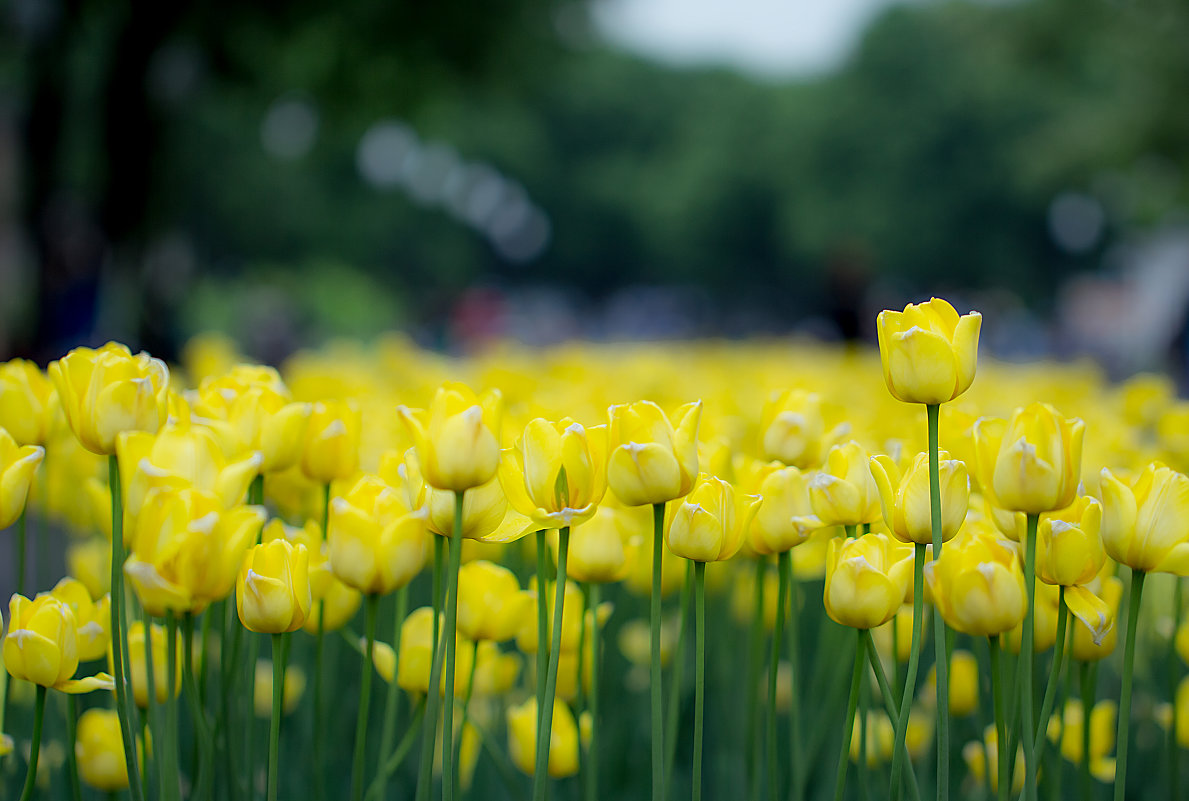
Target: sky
x=768, y=38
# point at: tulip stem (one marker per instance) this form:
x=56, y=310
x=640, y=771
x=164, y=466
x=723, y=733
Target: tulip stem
x=451, y=645
x=1046, y=706
x=429, y=723
x=274, y=728
x=592, y=762
x=889, y=702
x=699, y=671
x=914, y=658
x=654, y=619
x=119, y=656
x=1001, y=752
x=673, y=710
x=755, y=655
x=542, y=632
x=1174, y=667
x=392, y=701
x=201, y=728
x=393, y=760
x=35, y=747
x=319, y=760
x=782, y=595
x=22, y=545
x=151, y=718
x=785, y=565
x=1088, y=675
x=169, y=763
x=1026, y=690
x=545, y=718
x=1137, y=589
x=365, y=691
x=849, y=724
x=466, y=715
x=76, y=792
x=933, y=411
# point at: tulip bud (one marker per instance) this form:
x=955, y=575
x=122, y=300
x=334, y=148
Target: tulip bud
x=906, y=502
x=866, y=580
x=653, y=460
x=708, y=524
x=137, y=664
x=42, y=642
x=273, y=590
x=331, y=449
x=844, y=493
x=18, y=465
x=563, y=739
x=1032, y=463
x=295, y=684
x=26, y=402
x=1146, y=526
x=99, y=750
x=455, y=438
x=978, y=585
x=557, y=472
x=929, y=353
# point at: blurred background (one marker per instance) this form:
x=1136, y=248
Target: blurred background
x=289, y=172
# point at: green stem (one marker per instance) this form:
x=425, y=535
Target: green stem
x=150, y=714
x=782, y=595
x=542, y=634
x=201, y=728
x=1137, y=589
x=654, y=618
x=1174, y=669
x=429, y=722
x=393, y=760
x=755, y=656
x=466, y=714
x=365, y=693
x=545, y=723
x=392, y=701
x=1087, y=676
x=699, y=671
x=1002, y=781
x=274, y=727
x=1026, y=689
x=933, y=412
x=320, y=677
x=785, y=565
x=849, y=723
x=677, y=676
x=889, y=702
x=864, y=772
x=229, y=648
x=22, y=546
x=592, y=763
x=169, y=768
x=35, y=748
x=119, y=656
x=249, y=668
x=451, y=644
x=76, y=792
x=914, y=658
x=1046, y=706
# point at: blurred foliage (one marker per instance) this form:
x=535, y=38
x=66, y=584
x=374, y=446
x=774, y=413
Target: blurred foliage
x=930, y=158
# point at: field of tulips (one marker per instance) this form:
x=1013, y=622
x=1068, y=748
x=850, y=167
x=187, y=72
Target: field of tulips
x=767, y=570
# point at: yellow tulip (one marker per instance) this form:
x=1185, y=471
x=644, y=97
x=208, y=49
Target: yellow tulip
x=340, y=603
x=108, y=391
x=416, y=655
x=272, y=592
x=963, y=679
x=137, y=666
x=495, y=671
x=90, y=562
x=709, y=523
x=295, y=685
x=978, y=585
x=976, y=756
x=99, y=750
x=26, y=402
x=1067, y=731
x=843, y=492
x=880, y=738
x=18, y=464
x=92, y=617
x=906, y=502
x=793, y=429
x=1090, y=643
x=652, y=460
x=563, y=739
x=571, y=617
x=866, y=580
x=603, y=548
x=41, y=645
x=491, y=604
x=1033, y=462
x=1146, y=526
x=330, y=451
x=776, y=526
x=254, y=402
x=456, y=438
x=556, y=473
x=1069, y=549
x=377, y=544
x=1181, y=699
x=929, y=353
x=902, y=631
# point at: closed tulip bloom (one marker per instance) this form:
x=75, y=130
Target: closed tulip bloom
x=495, y=671
x=331, y=447
x=416, y=656
x=557, y=472
x=793, y=429
x=963, y=679
x=866, y=580
x=978, y=585
x=490, y=602
x=137, y=667
x=108, y=391
x=89, y=561
x=99, y=751
x=486, y=516
x=1069, y=549
x=18, y=465
x=295, y=685
x=603, y=548
x=92, y=617
x=42, y=642
x=1031, y=463
x=1146, y=525
x=456, y=438
x=571, y=617
x=563, y=739
x=902, y=631
x=775, y=528
x=652, y=460
x=26, y=402
x=709, y=523
x=977, y=755
x=844, y=492
x=1091, y=643
x=905, y=498
x=377, y=544
x=335, y=608
x=880, y=739
x=1066, y=730
x=929, y=352
x=272, y=593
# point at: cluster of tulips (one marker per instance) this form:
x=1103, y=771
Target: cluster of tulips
x=551, y=510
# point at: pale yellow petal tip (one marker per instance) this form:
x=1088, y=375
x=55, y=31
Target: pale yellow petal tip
x=100, y=681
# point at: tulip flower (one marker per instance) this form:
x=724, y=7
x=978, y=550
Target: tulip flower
x=556, y=474
x=866, y=580
x=18, y=463
x=26, y=402
x=330, y=451
x=491, y=605
x=652, y=459
x=1031, y=463
x=929, y=352
x=1146, y=526
x=775, y=527
x=92, y=617
x=976, y=755
x=138, y=665
x=603, y=549
x=293, y=688
x=377, y=544
x=563, y=739
x=905, y=498
x=709, y=523
x=1090, y=643
x=793, y=429
x=844, y=492
x=273, y=589
x=1067, y=730
x=100, y=751
x=455, y=438
x=978, y=585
